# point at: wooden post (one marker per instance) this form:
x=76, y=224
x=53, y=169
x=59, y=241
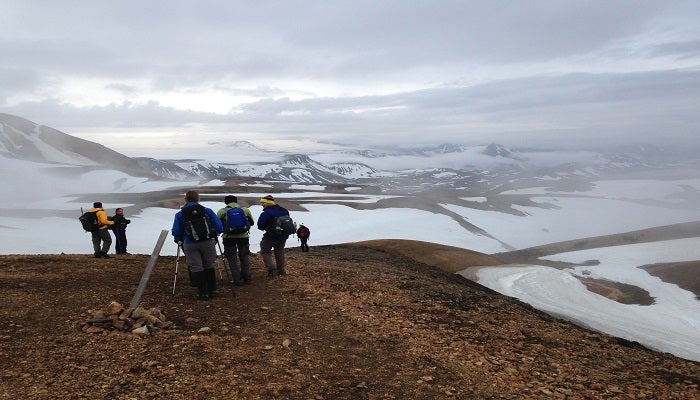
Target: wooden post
x=149, y=268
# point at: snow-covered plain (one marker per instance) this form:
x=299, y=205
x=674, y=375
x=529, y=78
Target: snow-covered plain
x=672, y=324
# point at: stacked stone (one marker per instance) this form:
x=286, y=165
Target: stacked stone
x=136, y=320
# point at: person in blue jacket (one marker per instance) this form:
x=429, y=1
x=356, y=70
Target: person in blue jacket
x=271, y=241
x=196, y=228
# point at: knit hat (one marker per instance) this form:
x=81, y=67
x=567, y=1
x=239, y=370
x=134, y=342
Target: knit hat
x=268, y=200
x=97, y=204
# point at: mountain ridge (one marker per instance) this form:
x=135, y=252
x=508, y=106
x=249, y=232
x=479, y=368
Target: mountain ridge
x=476, y=169
x=347, y=322
x=25, y=140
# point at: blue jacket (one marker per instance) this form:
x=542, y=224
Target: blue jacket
x=266, y=221
x=178, y=230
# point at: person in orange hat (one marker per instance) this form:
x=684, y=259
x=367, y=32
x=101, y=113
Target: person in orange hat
x=272, y=241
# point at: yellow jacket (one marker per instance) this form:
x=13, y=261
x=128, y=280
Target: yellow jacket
x=102, y=220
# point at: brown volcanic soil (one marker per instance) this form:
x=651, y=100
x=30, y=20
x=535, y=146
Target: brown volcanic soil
x=684, y=274
x=358, y=323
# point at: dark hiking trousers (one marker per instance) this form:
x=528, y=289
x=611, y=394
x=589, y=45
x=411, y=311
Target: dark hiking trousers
x=235, y=250
x=101, y=236
x=267, y=246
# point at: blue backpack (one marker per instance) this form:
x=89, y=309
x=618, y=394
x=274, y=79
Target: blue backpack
x=235, y=221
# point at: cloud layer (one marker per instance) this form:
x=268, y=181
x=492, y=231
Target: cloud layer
x=565, y=74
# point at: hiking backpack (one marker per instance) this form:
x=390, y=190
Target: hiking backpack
x=304, y=232
x=235, y=221
x=198, y=226
x=89, y=221
x=284, y=225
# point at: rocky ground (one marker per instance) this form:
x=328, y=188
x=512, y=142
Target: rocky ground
x=347, y=322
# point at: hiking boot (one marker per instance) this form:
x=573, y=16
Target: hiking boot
x=281, y=272
x=105, y=255
x=271, y=273
x=98, y=255
x=202, y=287
x=209, y=280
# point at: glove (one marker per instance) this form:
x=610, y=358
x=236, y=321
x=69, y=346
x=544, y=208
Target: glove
x=178, y=240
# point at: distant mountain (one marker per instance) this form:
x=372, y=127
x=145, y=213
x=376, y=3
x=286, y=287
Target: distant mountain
x=164, y=168
x=291, y=168
x=641, y=152
x=238, y=145
x=25, y=140
x=497, y=150
x=474, y=169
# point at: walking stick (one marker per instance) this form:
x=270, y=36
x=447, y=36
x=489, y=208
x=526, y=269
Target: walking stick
x=177, y=263
x=225, y=262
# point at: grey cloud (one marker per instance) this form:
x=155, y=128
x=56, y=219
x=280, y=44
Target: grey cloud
x=57, y=114
x=257, y=46
x=575, y=108
x=15, y=79
x=210, y=39
x=687, y=49
x=123, y=88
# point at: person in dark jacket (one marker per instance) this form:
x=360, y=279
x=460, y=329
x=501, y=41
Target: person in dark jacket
x=237, y=245
x=119, y=229
x=200, y=254
x=271, y=241
x=303, y=234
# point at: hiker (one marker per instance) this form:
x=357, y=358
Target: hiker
x=101, y=239
x=237, y=221
x=303, y=234
x=271, y=239
x=119, y=229
x=195, y=228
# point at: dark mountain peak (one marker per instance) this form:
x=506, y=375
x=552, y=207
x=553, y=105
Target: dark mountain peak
x=497, y=150
x=300, y=159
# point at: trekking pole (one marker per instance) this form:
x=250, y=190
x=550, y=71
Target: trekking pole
x=221, y=277
x=177, y=263
x=225, y=262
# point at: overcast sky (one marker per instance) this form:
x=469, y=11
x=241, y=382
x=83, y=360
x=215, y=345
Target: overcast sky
x=520, y=73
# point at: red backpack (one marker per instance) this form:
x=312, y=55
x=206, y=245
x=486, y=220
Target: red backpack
x=304, y=232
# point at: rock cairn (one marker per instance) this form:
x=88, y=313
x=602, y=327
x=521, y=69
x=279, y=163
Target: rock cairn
x=115, y=317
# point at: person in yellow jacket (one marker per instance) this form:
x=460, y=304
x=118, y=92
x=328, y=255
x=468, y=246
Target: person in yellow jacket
x=101, y=235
